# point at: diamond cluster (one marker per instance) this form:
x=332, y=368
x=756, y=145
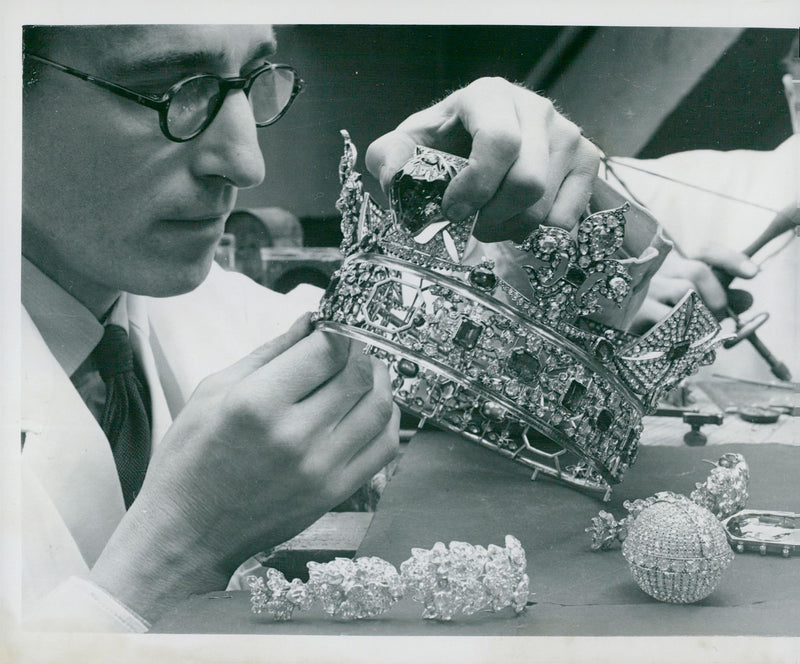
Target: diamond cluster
x=676, y=549
x=725, y=490
x=460, y=578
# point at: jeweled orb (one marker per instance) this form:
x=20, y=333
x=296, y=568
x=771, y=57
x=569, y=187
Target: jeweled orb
x=676, y=550
x=573, y=395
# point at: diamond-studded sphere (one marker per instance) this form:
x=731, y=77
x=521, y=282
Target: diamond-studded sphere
x=676, y=550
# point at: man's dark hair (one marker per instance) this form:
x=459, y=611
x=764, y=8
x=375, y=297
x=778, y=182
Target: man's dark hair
x=38, y=39
x=35, y=39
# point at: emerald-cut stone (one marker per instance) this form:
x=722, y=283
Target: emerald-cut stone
x=523, y=365
x=468, y=334
x=573, y=395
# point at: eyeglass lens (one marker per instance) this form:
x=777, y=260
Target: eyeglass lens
x=198, y=99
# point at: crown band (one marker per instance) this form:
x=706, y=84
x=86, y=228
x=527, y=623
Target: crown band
x=474, y=366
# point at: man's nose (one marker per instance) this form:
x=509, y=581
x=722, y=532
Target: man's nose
x=229, y=147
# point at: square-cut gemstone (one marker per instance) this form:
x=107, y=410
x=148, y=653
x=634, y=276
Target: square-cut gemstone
x=523, y=365
x=468, y=334
x=573, y=395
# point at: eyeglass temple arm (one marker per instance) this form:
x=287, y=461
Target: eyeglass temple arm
x=146, y=100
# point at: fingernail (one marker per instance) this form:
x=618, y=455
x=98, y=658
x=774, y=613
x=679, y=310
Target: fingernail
x=458, y=211
x=749, y=269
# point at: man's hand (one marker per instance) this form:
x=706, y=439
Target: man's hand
x=527, y=163
x=260, y=451
x=679, y=274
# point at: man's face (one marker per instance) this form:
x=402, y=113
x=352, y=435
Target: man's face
x=111, y=204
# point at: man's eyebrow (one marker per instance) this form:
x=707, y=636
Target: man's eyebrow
x=177, y=60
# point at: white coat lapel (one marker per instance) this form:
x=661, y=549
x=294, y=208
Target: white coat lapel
x=66, y=448
x=207, y=330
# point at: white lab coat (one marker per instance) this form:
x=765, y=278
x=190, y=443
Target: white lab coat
x=71, y=496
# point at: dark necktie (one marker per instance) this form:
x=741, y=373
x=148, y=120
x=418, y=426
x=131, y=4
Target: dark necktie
x=126, y=420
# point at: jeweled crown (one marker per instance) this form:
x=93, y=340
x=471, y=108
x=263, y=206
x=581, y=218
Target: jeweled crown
x=526, y=372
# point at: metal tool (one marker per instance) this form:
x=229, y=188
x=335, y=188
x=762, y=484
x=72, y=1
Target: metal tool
x=786, y=220
x=756, y=414
x=695, y=419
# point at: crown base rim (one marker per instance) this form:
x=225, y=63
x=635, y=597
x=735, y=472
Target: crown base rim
x=547, y=463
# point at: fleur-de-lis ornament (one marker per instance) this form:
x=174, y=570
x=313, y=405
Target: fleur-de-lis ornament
x=577, y=277
x=362, y=218
x=350, y=198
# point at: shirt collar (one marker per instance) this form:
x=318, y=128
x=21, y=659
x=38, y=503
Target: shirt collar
x=68, y=328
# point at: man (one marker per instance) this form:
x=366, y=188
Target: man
x=131, y=163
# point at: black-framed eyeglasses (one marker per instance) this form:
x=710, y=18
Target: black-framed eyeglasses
x=191, y=104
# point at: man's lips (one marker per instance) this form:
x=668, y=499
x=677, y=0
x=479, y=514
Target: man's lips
x=200, y=218
x=203, y=229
